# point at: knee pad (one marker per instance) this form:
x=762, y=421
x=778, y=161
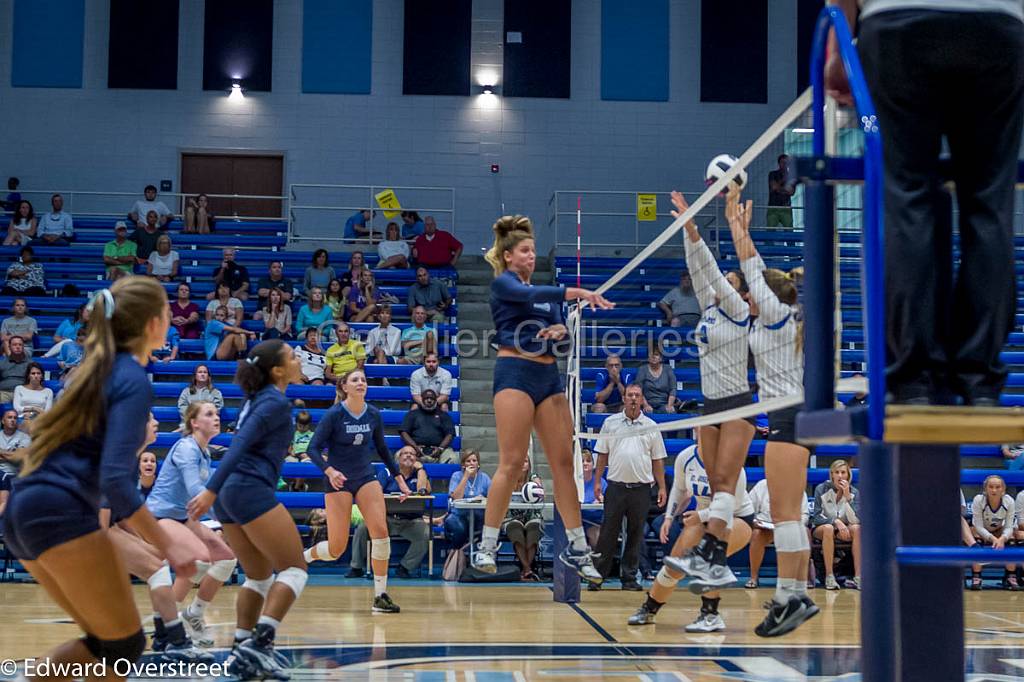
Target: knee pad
x=380, y=549
x=722, y=506
x=665, y=579
x=222, y=570
x=111, y=650
x=789, y=537
x=260, y=587
x=162, y=578
x=202, y=568
x=323, y=550
x=294, y=578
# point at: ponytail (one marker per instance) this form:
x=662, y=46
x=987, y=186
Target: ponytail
x=253, y=373
x=784, y=288
x=508, y=232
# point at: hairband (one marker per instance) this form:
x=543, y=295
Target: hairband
x=108, y=302
x=253, y=359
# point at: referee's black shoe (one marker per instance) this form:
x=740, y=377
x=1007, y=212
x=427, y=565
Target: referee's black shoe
x=782, y=619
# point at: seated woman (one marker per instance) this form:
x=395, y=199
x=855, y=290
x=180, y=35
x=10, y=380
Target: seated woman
x=223, y=297
x=362, y=298
x=23, y=225
x=277, y=317
x=319, y=274
x=412, y=226
x=26, y=276
x=837, y=517
x=31, y=399
x=469, y=483
x=163, y=261
x=185, y=314
x=993, y=526
x=393, y=251
x=223, y=341
x=198, y=217
x=67, y=330
x=764, y=531
x=524, y=527
x=200, y=390
x=315, y=313
x=658, y=383
x=335, y=299
x=356, y=264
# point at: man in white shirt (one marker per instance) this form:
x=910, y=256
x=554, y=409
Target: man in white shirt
x=634, y=464
x=431, y=375
x=138, y=213
x=384, y=342
x=56, y=227
x=11, y=439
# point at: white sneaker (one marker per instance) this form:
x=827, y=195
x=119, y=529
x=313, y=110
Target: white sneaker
x=583, y=563
x=831, y=583
x=485, y=560
x=706, y=622
x=196, y=627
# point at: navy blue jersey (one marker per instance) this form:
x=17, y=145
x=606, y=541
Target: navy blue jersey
x=521, y=310
x=104, y=464
x=350, y=441
x=260, y=444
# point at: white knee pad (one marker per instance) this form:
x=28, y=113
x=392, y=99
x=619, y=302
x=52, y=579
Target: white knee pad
x=202, y=568
x=380, y=549
x=221, y=570
x=790, y=537
x=295, y=578
x=162, y=578
x=260, y=587
x=722, y=506
x=664, y=579
x=323, y=550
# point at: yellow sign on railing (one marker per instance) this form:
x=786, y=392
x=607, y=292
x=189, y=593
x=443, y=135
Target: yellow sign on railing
x=388, y=200
x=646, y=207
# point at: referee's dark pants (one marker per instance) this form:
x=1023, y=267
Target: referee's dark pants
x=628, y=501
x=958, y=75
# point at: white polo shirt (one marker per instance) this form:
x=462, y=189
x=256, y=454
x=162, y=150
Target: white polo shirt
x=630, y=457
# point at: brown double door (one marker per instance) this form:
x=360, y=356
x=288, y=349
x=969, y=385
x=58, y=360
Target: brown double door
x=212, y=173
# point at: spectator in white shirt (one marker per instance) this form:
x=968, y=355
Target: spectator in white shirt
x=384, y=342
x=312, y=358
x=31, y=399
x=11, y=440
x=393, y=250
x=431, y=375
x=993, y=524
x=143, y=206
x=224, y=298
x=163, y=262
x=764, y=529
x=55, y=228
x=23, y=225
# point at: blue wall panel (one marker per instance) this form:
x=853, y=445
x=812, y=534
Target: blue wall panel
x=48, y=38
x=634, y=50
x=337, y=46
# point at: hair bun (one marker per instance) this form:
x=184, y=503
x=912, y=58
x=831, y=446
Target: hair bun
x=506, y=225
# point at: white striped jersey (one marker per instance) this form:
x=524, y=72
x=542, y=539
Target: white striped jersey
x=993, y=522
x=773, y=336
x=690, y=480
x=721, y=335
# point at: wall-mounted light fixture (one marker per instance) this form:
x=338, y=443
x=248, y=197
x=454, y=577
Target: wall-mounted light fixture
x=236, y=94
x=488, y=90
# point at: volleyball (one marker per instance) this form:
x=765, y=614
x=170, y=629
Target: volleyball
x=720, y=165
x=532, y=493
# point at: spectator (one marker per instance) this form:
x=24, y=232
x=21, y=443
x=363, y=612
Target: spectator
x=658, y=384
x=335, y=299
x=11, y=440
x=70, y=356
x=223, y=341
x=356, y=228
x=344, y=356
x=412, y=226
x=591, y=517
x=163, y=262
x=611, y=386
x=780, y=192
x=147, y=473
x=430, y=293
x=185, y=314
x=199, y=390
x=763, y=530
x=430, y=430
x=31, y=399
x=169, y=351
x=525, y=527
x=277, y=317
x=119, y=254
x=837, y=517
x=275, y=279
x=142, y=207
x=860, y=398
x=393, y=251
x=55, y=228
x=23, y=225
x=362, y=298
x=966, y=534
x=408, y=525
x=634, y=464
x=13, y=368
x=319, y=274
x=356, y=264
x=680, y=304
x=231, y=273
x=26, y=277
x=19, y=324
x=993, y=524
x=314, y=313
x=312, y=358
x=384, y=342
x=436, y=248
x=198, y=217
x=145, y=238
x=300, y=439
x=418, y=339
x=469, y=483
x=13, y=195
x=223, y=297
x=431, y=375
x=68, y=329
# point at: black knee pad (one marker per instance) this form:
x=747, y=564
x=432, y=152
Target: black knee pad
x=130, y=648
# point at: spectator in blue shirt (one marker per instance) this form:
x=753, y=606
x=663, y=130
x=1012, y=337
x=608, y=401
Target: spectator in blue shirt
x=70, y=356
x=223, y=341
x=55, y=228
x=611, y=386
x=356, y=228
x=591, y=517
x=469, y=483
x=170, y=350
x=412, y=225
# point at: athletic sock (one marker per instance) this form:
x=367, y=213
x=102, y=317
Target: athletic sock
x=708, y=605
x=577, y=538
x=159, y=631
x=652, y=604
x=198, y=607
x=784, y=589
x=380, y=585
x=241, y=634
x=176, y=632
x=489, y=540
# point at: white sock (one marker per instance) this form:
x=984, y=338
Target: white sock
x=380, y=585
x=490, y=538
x=272, y=622
x=242, y=634
x=308, y=555
x=784, y=589
x=577, y=538
x=198, y=607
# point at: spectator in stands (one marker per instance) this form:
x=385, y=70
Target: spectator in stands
x=13, y=368
x=993, y=524
x=25, y=277
x=763, y=530
x=966, y=534
x=314, y=313
x=525, y=527
x=142, y=207
x=356, y=265
x=412, y=225
x=335, y=299
x=780, y=192
x=312, y=358
x=837, y=517
x=300, y=438
x=658, y=383
x=680, y=304
x=198, y=217
x=10, y=202
x=231, y=273
x=418, y=339
x=277, y=317
x=71, y=354
x=19, y=324
x=163, y=261
x=68, y=328
x=431, y=375
x=119, y=254
x=591, y=517
x=393, y=251
x=861, y=397
x=145, y=238
x=185, y=314
x=430, y=430
x=223, y=297
x=31, y=399
x=469, y=483
x=319, y=274
x=23, y=225
x=436, y=248
x=384, y=342
x=11, y=440
x=56, y=228
x=430, y=293
x=199, y=390
x=170, y=348
x=356, y=227
x=274, y=279
x=611, y=386
x=362, y=298
x=344, y=356
x=223, y=341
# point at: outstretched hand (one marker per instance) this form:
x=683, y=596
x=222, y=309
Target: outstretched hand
x=679, y=201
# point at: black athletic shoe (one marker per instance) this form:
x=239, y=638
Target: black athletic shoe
x=261, y=659
x=159, y=642
x=354, y=573
x=632, y=586
x=239, y=666
x=783, y=618
x=403, y=573
x=383, y=604
x=812, y=608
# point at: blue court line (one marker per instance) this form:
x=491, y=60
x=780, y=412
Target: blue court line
x=593, y=623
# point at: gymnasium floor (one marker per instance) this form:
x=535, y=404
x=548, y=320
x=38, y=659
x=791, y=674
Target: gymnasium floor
x=486, y=633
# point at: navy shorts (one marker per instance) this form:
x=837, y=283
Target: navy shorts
x=352, y=485
x=538, y=380
x=41, y=516
x=243, y=499
x=713, y=405
x=6, y=478
x=782, y=426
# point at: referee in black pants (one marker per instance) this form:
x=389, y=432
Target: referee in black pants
x=635, y=463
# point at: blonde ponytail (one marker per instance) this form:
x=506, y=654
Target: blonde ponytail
x=509, y=230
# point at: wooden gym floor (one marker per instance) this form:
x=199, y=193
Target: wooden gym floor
x=486, y=633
